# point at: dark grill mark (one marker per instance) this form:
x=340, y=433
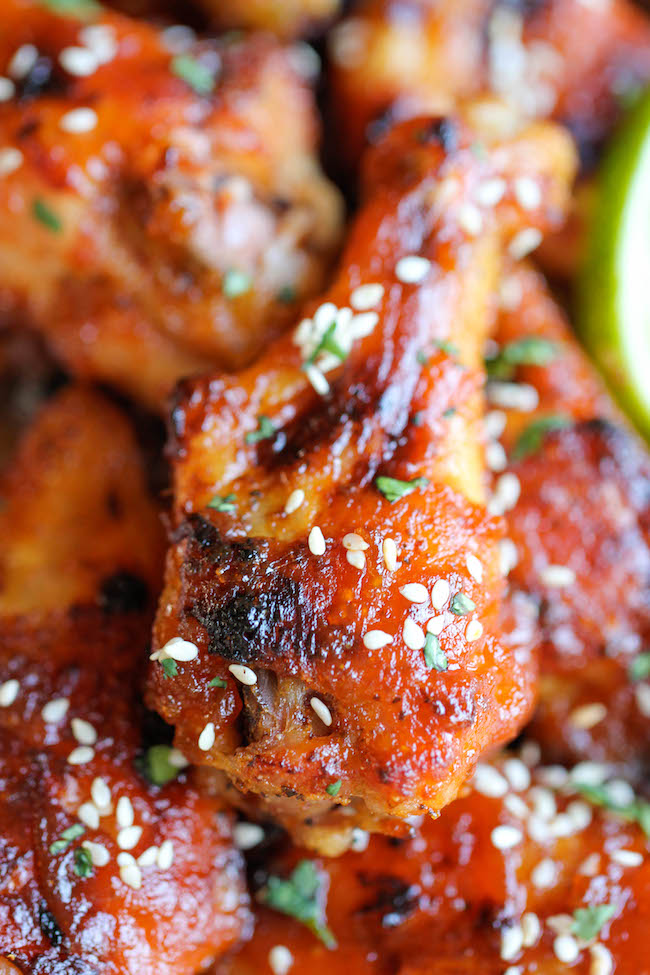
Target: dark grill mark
x=123, y=592
x=49, y=926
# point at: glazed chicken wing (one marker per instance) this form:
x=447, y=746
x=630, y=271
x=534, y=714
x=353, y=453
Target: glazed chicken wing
x=329, y=630
x=160, y=212
x=527, y=873
x=581, y=529
x=111, y=861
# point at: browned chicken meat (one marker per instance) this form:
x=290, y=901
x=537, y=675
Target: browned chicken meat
x=111, y=860
x=330, y=629
x=161, y=208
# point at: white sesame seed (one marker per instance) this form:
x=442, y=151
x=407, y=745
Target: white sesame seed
x=512, y=941
x=412, y=269
x=149, y=857
x=517, y=774
x=207, y=737
x=81, y=755
x=543, y=875
x=588, y=715
x=474, y=567
x=357, y=559
x=321, y=710
x=78, y=61
x=375, y=639
x=602, y=962
x=528, y=193
x=557, y=576
x=495, y=423
x=436, y=625
x=79, y=120
x=101, y=40
x=415, y=592
x=516, y=805
x=316, y=541
x=627, y=858
x=489, y=781
x=508, y=556
x=513, y=970
x=642, y=698
x=506, y=494
x=490, y=192
x=294, y=501
x=440, y=594
x=360, y=840
x=317, y=379
x=513, y=396
x=589, y=773
x=178, y=38
x=354, y=542
x=538, y=829
x=280, y=960
x=524, y=243
x=590, y=866
x=22, y=61
x=8, y=692
x=165, y=855
x=389, y=553
x=495, y=456
x=413, y=634
x=124, y=813
x=565, y=948
x=179, y=649
x=89, y=815
x=544, y=802
x=505, y=837
x=100, y=794
x=176, y=759
x=473, y=631
x=124, y=858
x=129, y=837
x=366, y=296
x=247, y=835
x=560, y=923
x=55, y=710
x=510, y=293
x=7, y=89
x=304, y=60
x=99, y=855
x=243, y=674
x=11, y=159
x=470, y=219
x=131, y=875
x=532, y=929
x=83, y=731
x=531, y=754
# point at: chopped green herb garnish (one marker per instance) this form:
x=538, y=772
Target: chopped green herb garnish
x=194, y=73
x=265, y=430
x=530, y=351
x=637, y=811
x=328, y=344
x=300, y=897
x=224, y=503
x=76, y=8
x=83, y=864
x=448, y=347
x=46, y=216
x=416, y=419
x=434, y=656
x=531, y=439
x=640, y=667
x=461, y=604
x=67, y=836
x=421, y=357
x=236, y=283
x=333, y=788
x=451, y=411
x=157, y=766
x=478, y=149
x=392, y=489
x=170, y=668
x=218, y=682
x=589, y=920
x=287, y=294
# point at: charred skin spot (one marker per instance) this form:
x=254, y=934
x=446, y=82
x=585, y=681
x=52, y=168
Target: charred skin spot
x=206, y=544
x=393, y=899
x=42, y=79
x=49, y=926
x=123, y=592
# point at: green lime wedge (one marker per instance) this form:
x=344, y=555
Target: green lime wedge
x=614, y=285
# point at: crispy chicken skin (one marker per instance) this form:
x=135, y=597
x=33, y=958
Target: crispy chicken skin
x=293, y=582
x=584, y=504
x=172, y=230
x=74, y=646
x=457, y=899
x=562, y=58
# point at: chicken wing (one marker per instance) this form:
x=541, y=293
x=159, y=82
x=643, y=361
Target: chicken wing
x=329, y=521
x=160, y=211
x=581, y=529
x=526, y=873
x=110, y=859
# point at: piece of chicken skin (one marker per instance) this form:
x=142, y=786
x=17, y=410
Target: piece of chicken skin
x=583, y=506
x=293, y=592
x=72, y=729
x=565, y=59
x=172, y=204
x=491, y=886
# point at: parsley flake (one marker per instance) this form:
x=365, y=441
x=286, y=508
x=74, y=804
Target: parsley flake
x=76, y=8
x=529, y=351
x=640, y=667
x=333, y=788
x=636, y=812
x=392, y=489
x=224, y=503
x=83, y=864
x=587, y=921
x=531, y=439
x=265, y=430
x=287, y=294
x=434, y=656
x=300, y=897
x=236, y=283
x=157, y=767
x=170, y=668
x=218, y=682
x=461, y=604
x=194, y=73
x=449, y=412
x=328, y=344
x=42, y=212
x=67, y=836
